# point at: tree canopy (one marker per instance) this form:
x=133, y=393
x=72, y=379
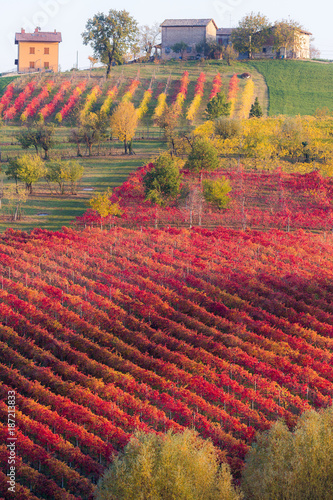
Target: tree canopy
x=174, y=466
x=218, y=106
x=124, y=122
x=255, y=111
x=111, y=36
x=251, y=33
x=286, y=36
x=216, y=192
x=29, y=169
x=162, y=183
x=203, y=156
x=298, y=464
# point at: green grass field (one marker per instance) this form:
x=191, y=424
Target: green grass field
x=4, y=81
x=296, y=87
x=99, y=174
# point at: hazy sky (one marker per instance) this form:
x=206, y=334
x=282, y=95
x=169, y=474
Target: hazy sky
x=70, y=16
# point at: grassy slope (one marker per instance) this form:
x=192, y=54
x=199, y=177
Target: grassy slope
x=4, y=81
x=296, y=87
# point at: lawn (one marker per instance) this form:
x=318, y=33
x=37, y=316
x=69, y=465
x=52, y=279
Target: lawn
x=297, y=87
x=60, y=210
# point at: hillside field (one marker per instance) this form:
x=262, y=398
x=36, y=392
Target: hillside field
x=296, y=87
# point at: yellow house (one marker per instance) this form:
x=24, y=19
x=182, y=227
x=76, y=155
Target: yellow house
x=38, y=51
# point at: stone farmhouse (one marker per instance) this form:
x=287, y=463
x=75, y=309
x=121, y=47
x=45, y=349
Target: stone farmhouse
x=189, y=31
x=194, y=31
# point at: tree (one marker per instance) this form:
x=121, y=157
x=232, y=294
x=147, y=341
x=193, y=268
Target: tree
x=216, y=192
x=30, y=168
x=148, y=37
x=73, y=173
x=255, y=110
x=45, y=139
x=27, y=138
x=16, y=196
x=41, y=137
x=286, y=36
x=12, y=170
x=103, y=205
x=59, y=172
x=180, y=48
x=297, y=464
x=110, y=36
x=174, y=466
x=226, y=127
x=162, y=183
x=251, y=34
x=76, y=136
x=218, y=106
x=93, y=129
x=203, y=156
x=124, y=122
x=55, y=174
x=229, y=53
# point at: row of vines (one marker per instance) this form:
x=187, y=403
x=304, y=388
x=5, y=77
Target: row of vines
x=103, y=333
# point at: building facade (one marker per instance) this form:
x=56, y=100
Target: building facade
x=189, y=31
x=194, y=31
x=38, y=51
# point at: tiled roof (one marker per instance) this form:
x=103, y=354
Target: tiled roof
x=178, y=23
x=38, y=36
x=224, y=31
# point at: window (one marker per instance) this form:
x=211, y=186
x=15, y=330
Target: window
x=32, y=50
x=31, y=64
x=167, y=50
x=189, y=50
x=46, y=65
x=46, y=50
x=264, y=49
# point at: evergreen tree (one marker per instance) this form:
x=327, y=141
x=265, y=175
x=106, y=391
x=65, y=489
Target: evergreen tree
x=255, y=111
x=218, y=106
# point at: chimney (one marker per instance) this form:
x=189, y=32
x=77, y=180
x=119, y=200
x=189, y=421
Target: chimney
x=22, y=30
x=36, y=30
x=55, y=31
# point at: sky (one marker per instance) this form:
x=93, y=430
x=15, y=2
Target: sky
x=70, y=17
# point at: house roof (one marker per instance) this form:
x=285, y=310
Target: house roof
x=225, y=31
x=38, y=36
x=178, y=23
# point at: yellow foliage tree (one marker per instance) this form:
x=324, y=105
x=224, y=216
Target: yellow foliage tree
x=102, y=204
x=124, y=122
x=247, y=99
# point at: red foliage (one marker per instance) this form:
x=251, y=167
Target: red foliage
x=217, y=84
x=103, y=333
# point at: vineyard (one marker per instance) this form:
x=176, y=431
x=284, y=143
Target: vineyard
x=62, y=100
x=103, y=333
x=258, y=200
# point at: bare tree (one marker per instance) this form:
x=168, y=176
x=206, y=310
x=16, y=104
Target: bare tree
x=148, y=37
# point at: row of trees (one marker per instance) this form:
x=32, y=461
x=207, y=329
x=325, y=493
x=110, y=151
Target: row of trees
x=282, y=464
x=255, y=31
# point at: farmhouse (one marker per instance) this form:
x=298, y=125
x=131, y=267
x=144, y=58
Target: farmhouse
x=300, y=49
x=194, y=31
x=38, y=51
x=189, y=31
